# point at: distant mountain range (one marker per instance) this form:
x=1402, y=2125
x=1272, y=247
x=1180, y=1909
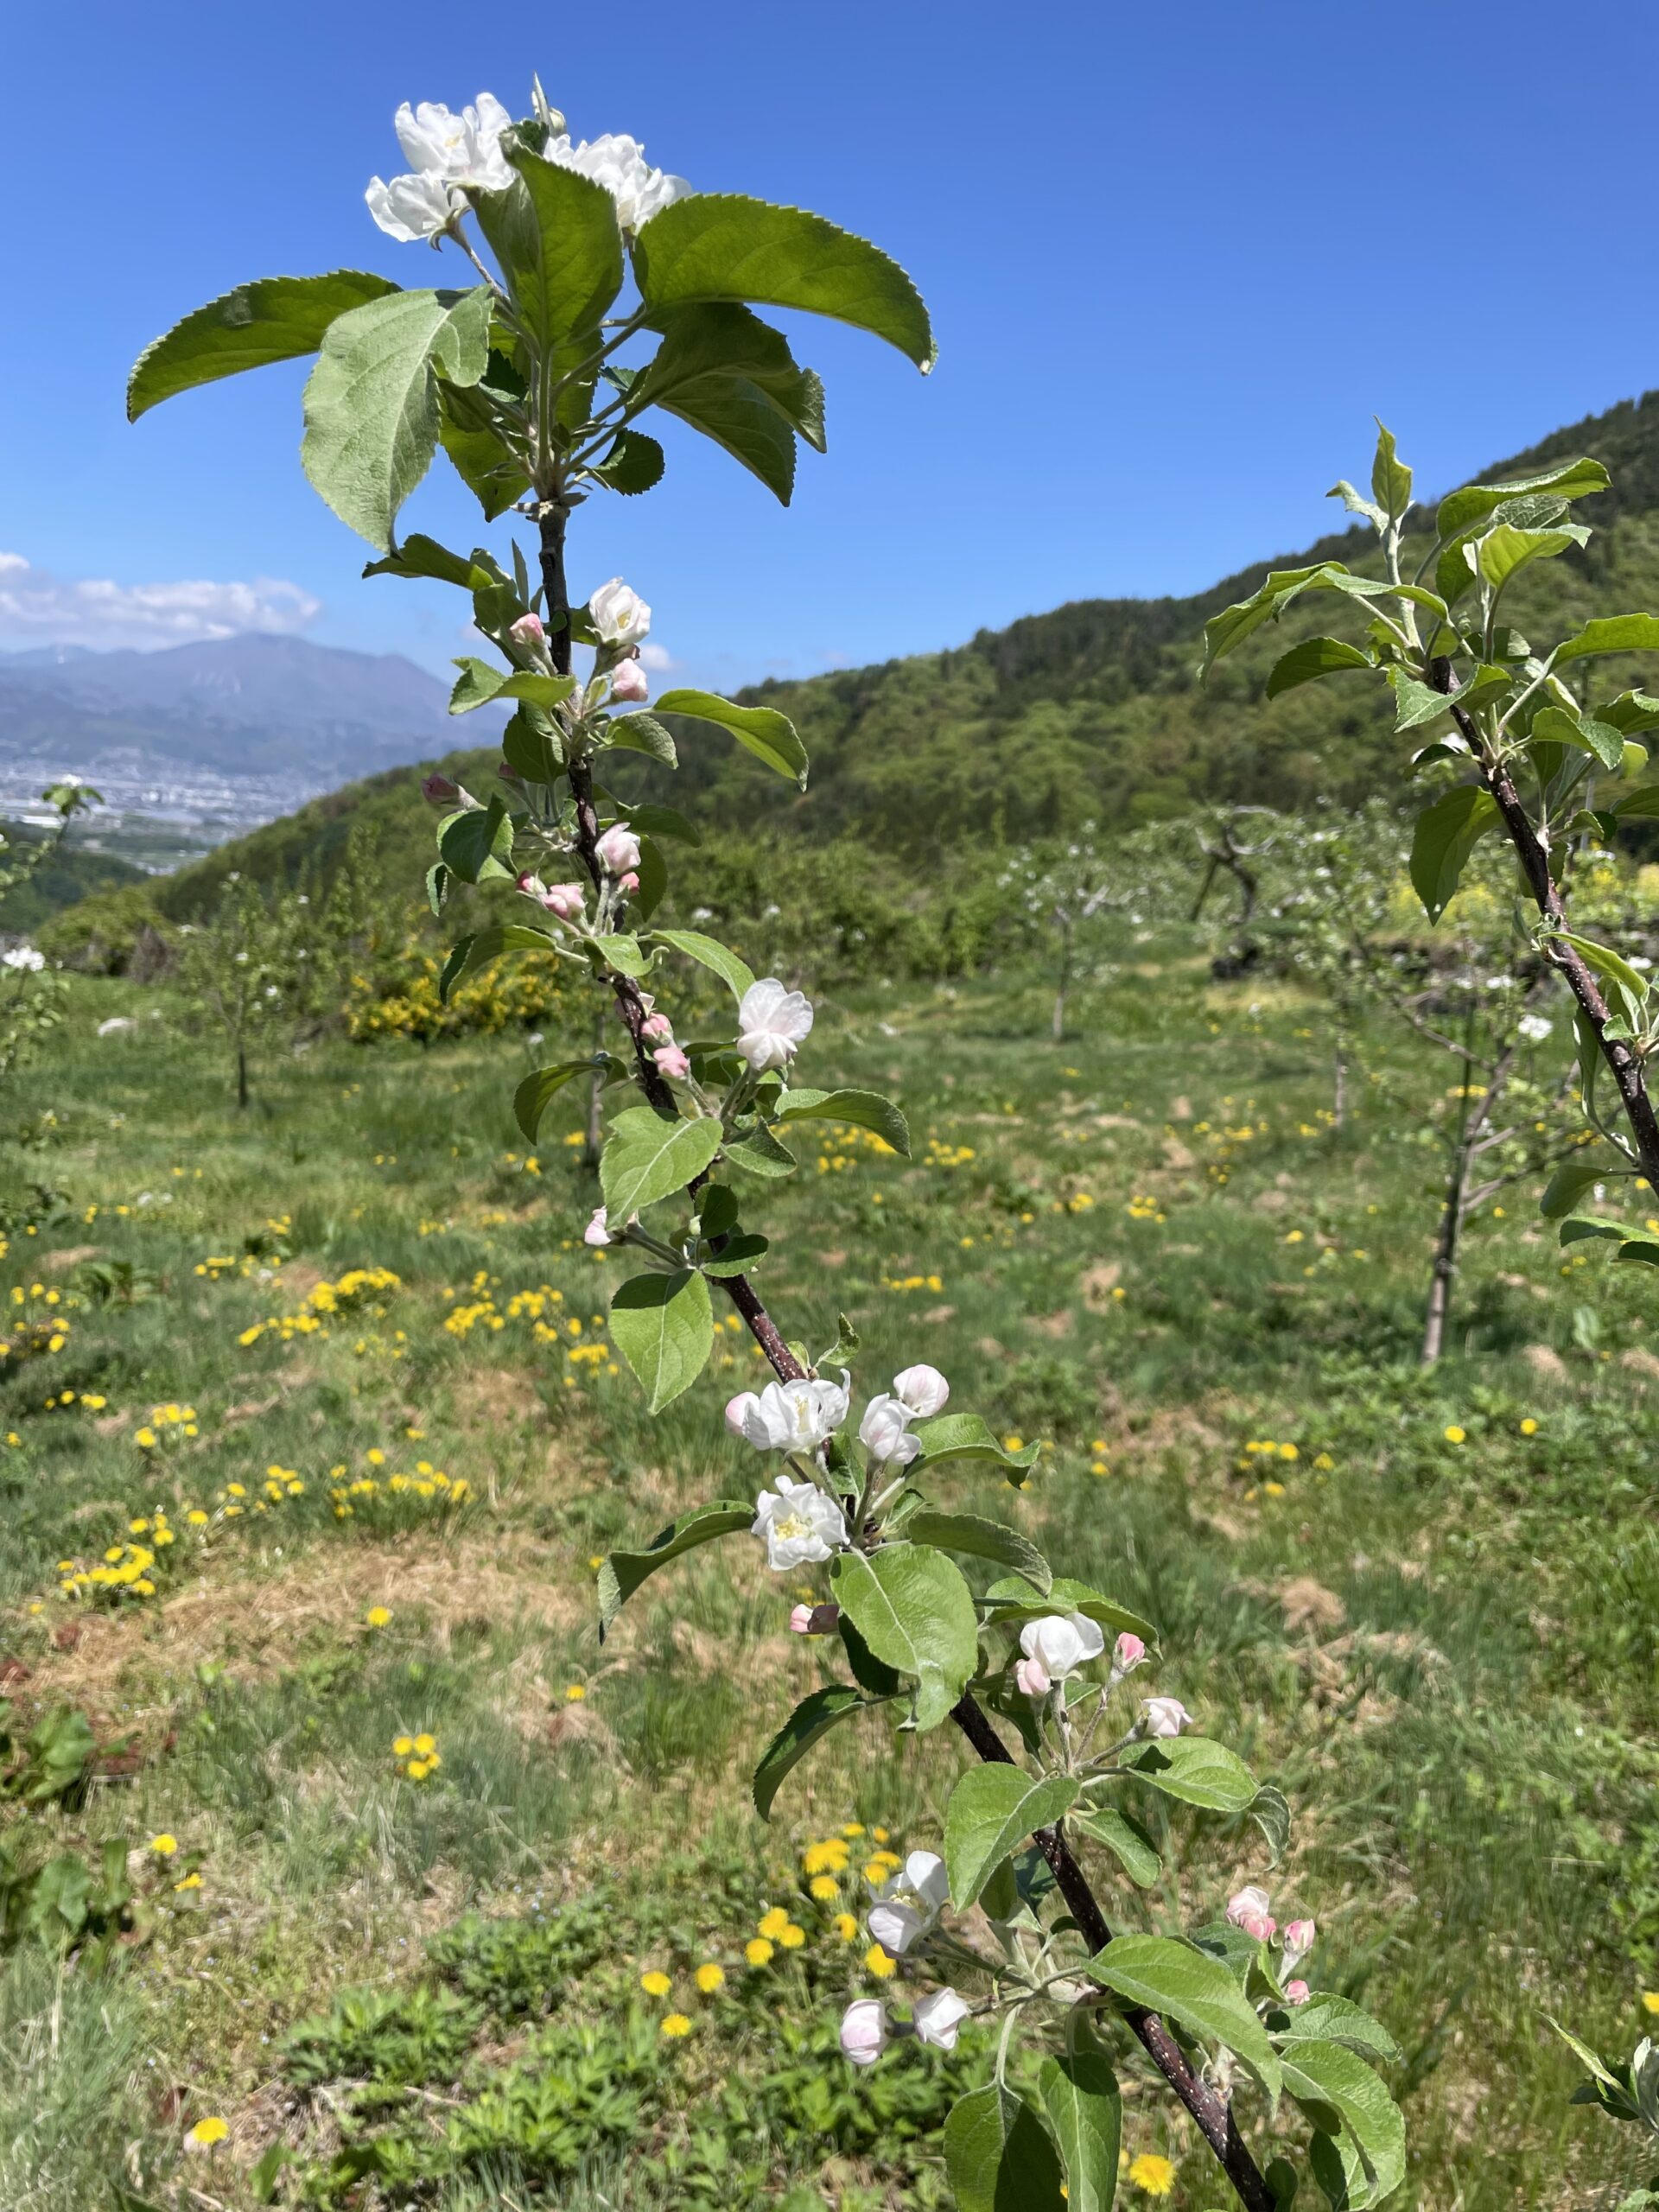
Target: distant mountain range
x=212, y=737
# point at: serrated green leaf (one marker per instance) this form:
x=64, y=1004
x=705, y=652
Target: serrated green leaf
x=1390, y=478
x=650, y=1157
x=1195, y=1768
x=738, y=416
x=555, y=234
x=1571, y=480
x=998, y=2155
x=1125, y=1838
x=966, y=1436
x=1324, y=2078
x=664, y=1326
x=622, y=1574
x=476, y=951
x=1270, y=1809
x=420, y=556
x=1568, y=1185
x=757, y=1152
x=737, y=1256
x=865, y=1109
x=477, y=843
x=534, y=1094
x=273, y=319
x=1504, y=549
x=1555, y=726
x=479, y=682
x=621, y=950
x=1313, y=658
x=642, y=733
x=1447, y=831
x=633, y=464
x=914, y=1611
x=991, y=1810
x=1325, y=2018
x=1080, y=2096
x=760, y=730
x=981, y=1539
x=709, y=953
x=531, y=746
x=726, y=246
x=1173, y=1979
x=813, y=1718
x=371, y=401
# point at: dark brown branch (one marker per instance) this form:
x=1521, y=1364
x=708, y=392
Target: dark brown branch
x=1212, y=2114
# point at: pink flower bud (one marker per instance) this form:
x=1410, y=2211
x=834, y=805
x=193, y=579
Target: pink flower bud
x=1297, y=1992
x=671, y=1060
x=1248, y=1910
x=1128, y=1653
x=443, y=791
x=737, y=1410
x=658, y=1025
x=532, y=887
x=628, y=681
x=1299, y=1939
x=1163, y=1717
x=596, y=1233
x=630, y=882
x=1031, y=1677
x=619, y=849
x=528, y=630
x=563, y=900
x=800, y=1620
x=864, y=2031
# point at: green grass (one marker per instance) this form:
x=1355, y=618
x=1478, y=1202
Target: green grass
x=1444, y=1652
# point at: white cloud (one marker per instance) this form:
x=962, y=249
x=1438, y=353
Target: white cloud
x=38, y=608
x=658, y=658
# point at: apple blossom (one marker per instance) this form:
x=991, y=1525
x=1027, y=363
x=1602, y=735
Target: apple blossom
x=864, y=2031
x=411, y=208
x=656, y=1026
x=619, y=163
x=1299, y=1939
x=620, y=616
x=23, y=959
x=629, y=883
x=923, y=1390
x=629, y=681
x=618, y=850
x=801, y=1523
x=1297, y=1992
x=924, y=1876
x=1060, y=1644
x=671, y=1060
x=596, y=1232
x=1127, y=1653
x=563, y=900
x=1247, y=1908
x=791, y=1416
x=1534, y=1027
x=1163, y=1716
x=937, y=2018
x=895, y=1926
x=530, y=634
x=800, y=1619
x=1028, y=1677
x=883, y=1433
x=464, y=149
x=772, y=1023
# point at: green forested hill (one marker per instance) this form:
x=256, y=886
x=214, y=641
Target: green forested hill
x=1090, y=711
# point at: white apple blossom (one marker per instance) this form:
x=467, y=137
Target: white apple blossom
x=937, y=2018
x=772, y=1024
x=923, y=1876
x=596, y=1232
x=24, y=960
x=864, y=2031
x=1164, y=1716
x=464, y=149
x=802, y=1525
x=885, y=1435
x=620, y=616
x=895, y=1926
x=619, y=163
x=923, y=1389
x=1057, y=1646
x=1534, y=1027
x=409, y=208
x=789, y=1416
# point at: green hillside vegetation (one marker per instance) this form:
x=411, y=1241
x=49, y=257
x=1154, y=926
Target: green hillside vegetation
x=73, y=874
x=1090, y=712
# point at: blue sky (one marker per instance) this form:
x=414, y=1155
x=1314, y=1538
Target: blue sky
x=1151, y=240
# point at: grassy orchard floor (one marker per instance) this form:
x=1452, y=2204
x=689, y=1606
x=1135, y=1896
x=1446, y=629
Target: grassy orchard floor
x=1147, y=1245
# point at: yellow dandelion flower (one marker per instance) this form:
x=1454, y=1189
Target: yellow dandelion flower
x=772, y=1923
x=164, y=1845
x=656, y=1983
x=879, y=1962
x=575, y=1693
x=196, y=1517
x=709, y=1977
x=190, y=1882
x=402, y=1746
x=676, y=2023
x=824, y=1887
x=853, y=1828
x=758, y=1951
x=845, y=1926
x=880, y=1836
x=417, y=1769
x=1456, y=1435
x=378, y=1616
x=1529, y=1427
x=426, y=1745
x=1650, y=2000
x=1156, y=2175
x=791, y=1936
x=206, y=2132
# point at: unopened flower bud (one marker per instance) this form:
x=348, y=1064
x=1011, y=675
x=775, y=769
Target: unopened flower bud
x=922, y=1390
x=1031, y=1678
x=531, y=886
x=630, y=683
x=656, y=1026
x=1299, y=1940
x=596, y=1232
x=671, y=1060
x=864, y=2031
x=528, y=630
x=1297, y=1992
x=800, y=1620
x=619, y=850
x=443, y=790
x=938, y=2017
x=1164, y=1716
x=564, y=901
x=629, y=883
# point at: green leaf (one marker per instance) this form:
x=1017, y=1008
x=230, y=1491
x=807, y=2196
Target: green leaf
x=476, y=951
x=1010, y=1602
x=1125, y=1838
x=998, y=2155
x=737, y=1256
x=1313, y=657
x=273, y=319
x=1612, y=968
x=1416, y=703
x=865, y=1109
x=965, y=1436
x=1504, y=549
x=710, y=953
x=1270, y=1809
x=1080, y=2096
x=650, y=1157
x=759, y=1152
x=967, y=1532
x=1568, y=1185
x=1196, y=1769
x=719, y=339
x=912, y=1608
x=738, y=416
x=1570, y=480
x=477, y=843
x=1447, y=832
x=992, y=1809
x=621, y=951
x=813, y=1717
x=760, y=730
x=371, y=401
x=555, y=234
x=472, y=434
x=623, y=1572
x=420, y=556
x=1641, y=805
x=481, y=682
x=664, y=1326
x=1338, y=2019
x=725, y=246
x=641, y=733
x=663, y=822
x=1193, y=1989
x=1267, y=603
x=531, y=746
x=1390, y=478
x=635, y=464
x=535, y=1094
x=1555, y=726
x=1610, y=633
x=1325, y=2080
